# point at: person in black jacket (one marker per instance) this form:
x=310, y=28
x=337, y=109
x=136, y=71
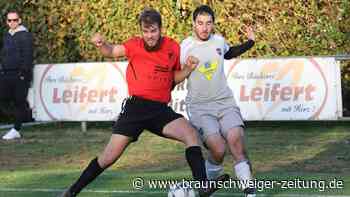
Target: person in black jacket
x=16, y=70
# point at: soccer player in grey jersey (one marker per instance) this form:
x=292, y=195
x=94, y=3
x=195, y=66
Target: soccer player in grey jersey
x=210, y=103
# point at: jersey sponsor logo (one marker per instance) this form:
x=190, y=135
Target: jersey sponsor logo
x=159, y=68
x=161, y=74
x=208, y=69
x=159, y=79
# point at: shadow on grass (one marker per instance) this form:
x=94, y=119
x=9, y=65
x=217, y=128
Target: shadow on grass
x=323, y=171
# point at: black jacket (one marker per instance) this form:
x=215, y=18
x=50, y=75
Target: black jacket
x=17, y=52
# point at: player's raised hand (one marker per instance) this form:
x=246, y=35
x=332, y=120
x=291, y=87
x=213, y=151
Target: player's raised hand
x=191, y=63
x=97, y=39
x=250, y=33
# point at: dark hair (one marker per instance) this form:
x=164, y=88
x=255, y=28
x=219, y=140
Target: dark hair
x=150, y=16
x=14, y=11
x=203, y=9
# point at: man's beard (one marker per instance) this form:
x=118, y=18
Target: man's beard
x=153, y=48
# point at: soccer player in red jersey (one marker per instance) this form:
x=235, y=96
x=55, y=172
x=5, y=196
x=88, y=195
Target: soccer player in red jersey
x=154, y=67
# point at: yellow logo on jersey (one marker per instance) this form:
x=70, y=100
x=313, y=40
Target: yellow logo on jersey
x=208, y=69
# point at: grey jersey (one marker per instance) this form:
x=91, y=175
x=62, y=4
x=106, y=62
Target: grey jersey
x=208, y=81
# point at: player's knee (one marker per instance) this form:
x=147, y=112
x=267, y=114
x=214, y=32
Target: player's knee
x=235, y=136
x=105, y=161
x=218, y=153
x=190, y=137
x=218, y=157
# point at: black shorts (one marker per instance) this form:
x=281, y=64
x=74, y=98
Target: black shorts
x=138, y=114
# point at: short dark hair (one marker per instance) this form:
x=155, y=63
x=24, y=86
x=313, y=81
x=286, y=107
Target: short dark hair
x=14, y=11
x=203, y=9
x=150, y=16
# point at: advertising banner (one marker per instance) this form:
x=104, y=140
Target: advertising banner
x=264, y=89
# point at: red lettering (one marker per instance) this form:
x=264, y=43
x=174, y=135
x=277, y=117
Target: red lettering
x=112, y=93
x=286, y=93
x=277, y=92
x=298, y=91
x=310, y=88
x=103, y=95
x=256, y=94
x=274, y=91
x=55, y=98
x=242, y=96
x=67, y=94
x=92, y=96
x=83, y=95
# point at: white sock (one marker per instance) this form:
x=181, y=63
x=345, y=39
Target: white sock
x=243, y=173
x=213, y=170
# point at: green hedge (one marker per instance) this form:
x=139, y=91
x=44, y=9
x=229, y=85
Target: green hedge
x=62, y=28
x=284, y=28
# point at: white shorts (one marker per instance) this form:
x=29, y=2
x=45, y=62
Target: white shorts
x=215, y=118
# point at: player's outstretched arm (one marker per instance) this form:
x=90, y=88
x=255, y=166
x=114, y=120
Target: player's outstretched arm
x=190, y=64
x=107, y=49
x=238, y=50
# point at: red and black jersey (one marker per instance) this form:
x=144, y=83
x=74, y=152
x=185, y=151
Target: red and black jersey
x=150, y=74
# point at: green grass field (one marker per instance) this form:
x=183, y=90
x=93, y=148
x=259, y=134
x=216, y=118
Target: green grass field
x=50, y=157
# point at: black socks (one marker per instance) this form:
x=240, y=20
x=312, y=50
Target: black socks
x=196, y=161
x=88, y=175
